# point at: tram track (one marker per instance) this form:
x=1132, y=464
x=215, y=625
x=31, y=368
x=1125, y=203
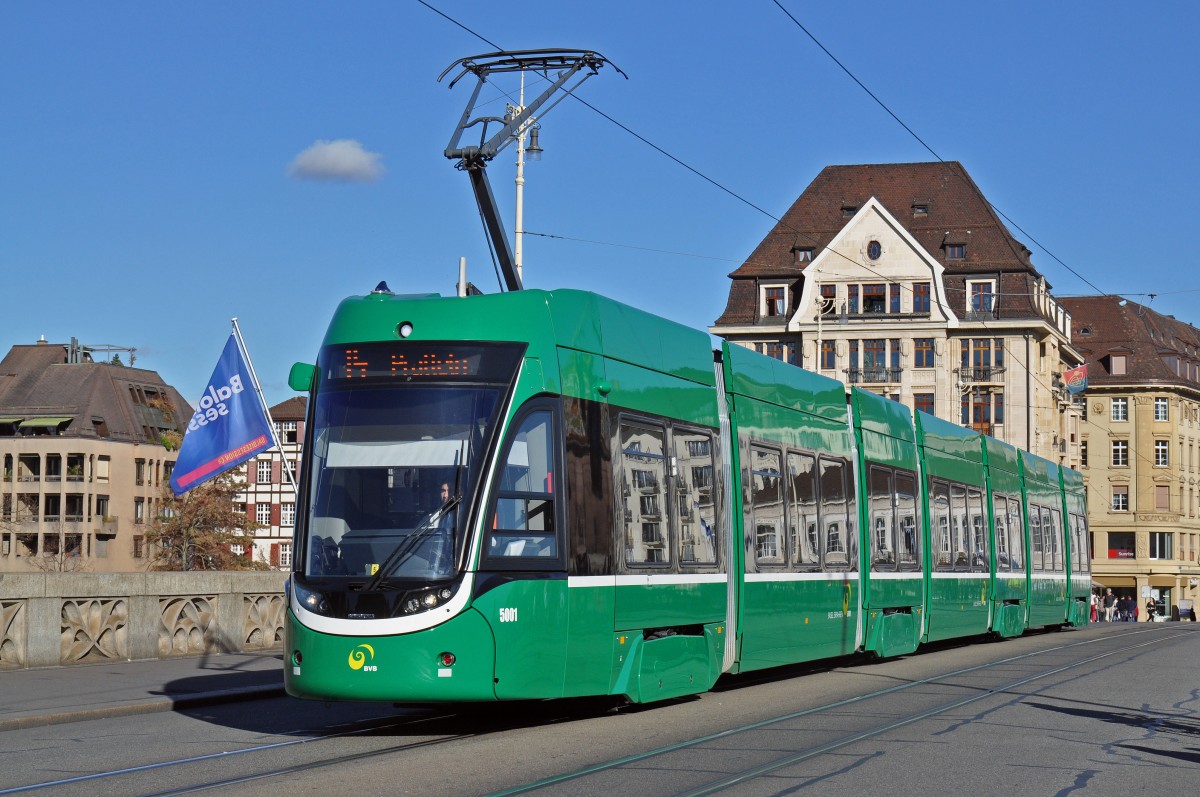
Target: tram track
x=943, y=680
x=444, y=728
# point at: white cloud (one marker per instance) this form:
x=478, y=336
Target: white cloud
x=343, y=160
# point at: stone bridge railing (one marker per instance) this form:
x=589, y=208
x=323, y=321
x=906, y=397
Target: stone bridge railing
x=76, y=618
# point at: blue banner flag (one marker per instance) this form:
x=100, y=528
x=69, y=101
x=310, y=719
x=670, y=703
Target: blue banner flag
x=1076, y=379
x=228, y=427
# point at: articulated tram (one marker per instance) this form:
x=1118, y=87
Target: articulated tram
x=544, y=494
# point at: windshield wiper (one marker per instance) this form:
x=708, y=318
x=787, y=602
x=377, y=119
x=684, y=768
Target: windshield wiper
x=408, y=546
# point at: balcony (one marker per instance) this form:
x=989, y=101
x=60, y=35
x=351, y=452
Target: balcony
x=986, y=375
x=873, y=375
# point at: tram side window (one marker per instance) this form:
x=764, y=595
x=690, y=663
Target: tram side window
x=766, y=501
x=523, y=522
x=804, y=522
x=1000, y=513
x=909, y=518
x=979, y=537
x=837, y=513
x=883, y=519
x=643, y=489
x=939, y=505
x=695, y=485
x=1036, y=544
x=1016, y=535
x=1053, y=531
x=958, y=527
x=1081, y=557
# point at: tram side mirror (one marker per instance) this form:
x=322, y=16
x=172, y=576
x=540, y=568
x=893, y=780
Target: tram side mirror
x=300, y=378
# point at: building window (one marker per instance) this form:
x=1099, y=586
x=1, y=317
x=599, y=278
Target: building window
x=1119, y=409
x=894, y=297
x=139, y=547
x=828, y=299
x=1161, y=447
x=1160, y=409
x=1116, y=364
x=874, y=250
x=262, y=513
x=1162, y=545
x=1120, y=453
x=803, y=254
x=1120, y=498
x=774, y=302
x=920, y=211
x=285, y=554
x=1120, y=545
x=923, y=353
x=982, y=298
x=1162, y=498
x=982, y=408
x=956, y=251
x=287, y=514
x=923, y=402
x=828, y=354
x=287, y=431
x=237, y=549
x=874, y=298
x=264, y=471
x=851, y=298
x=774, y=349
x=848, y=211
x=920, y=297
x=1083, y=454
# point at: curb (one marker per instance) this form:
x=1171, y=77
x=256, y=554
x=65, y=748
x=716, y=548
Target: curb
x=32, y=720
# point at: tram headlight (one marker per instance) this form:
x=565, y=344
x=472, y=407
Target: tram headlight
x=426, y=599
x=311, y=599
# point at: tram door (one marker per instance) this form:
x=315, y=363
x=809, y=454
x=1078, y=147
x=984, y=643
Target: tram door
x=524, y=561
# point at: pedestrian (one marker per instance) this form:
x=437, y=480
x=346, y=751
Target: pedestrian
x=1110, y=605
x=1095, y=602
x=1151, y=610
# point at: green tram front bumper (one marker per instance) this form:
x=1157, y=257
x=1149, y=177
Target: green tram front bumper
x=399, y=668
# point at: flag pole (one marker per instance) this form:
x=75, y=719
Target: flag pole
x=237, y=333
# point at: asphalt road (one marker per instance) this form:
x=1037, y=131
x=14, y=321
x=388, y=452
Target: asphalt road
x=1110, y=709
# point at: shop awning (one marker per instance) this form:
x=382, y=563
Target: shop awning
x=1114, y=581
x=28, y=422
x=1164, y=581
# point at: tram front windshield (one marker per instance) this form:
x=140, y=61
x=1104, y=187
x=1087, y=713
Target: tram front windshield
x=394, y=464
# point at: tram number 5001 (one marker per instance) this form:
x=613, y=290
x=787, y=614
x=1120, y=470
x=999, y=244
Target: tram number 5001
x=508, y=615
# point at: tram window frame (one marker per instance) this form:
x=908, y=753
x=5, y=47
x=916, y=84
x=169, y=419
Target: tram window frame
x=555, y=560
x=846, y=533
x=625, y=493
x=800, y=527
x=684, y=483
x=1000, y=531
x=960, y=540
x=881, y=500
x=908, y=528
x=1056, y=540
x=1017, y=551
x=780, y=558
x=981, y=553
x=939, y=524
x=1036, y=540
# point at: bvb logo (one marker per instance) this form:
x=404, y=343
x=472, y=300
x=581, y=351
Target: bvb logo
x=358, y=658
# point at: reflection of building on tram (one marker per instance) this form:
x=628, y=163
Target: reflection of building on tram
x=649, y=475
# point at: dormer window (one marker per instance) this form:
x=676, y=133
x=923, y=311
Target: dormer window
x=920, y=210
x=956, y=251
x=848, y=211
x=774, y=301
x=803, y=254
x=1116, y=364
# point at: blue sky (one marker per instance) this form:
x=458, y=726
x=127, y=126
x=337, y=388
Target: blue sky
x=149, y=192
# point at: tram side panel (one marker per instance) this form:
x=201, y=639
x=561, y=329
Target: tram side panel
x=1079, y=554
x=1005, y=490
x=1048, y=604
x=799, y=596
x=890, y=516
x=961, y=544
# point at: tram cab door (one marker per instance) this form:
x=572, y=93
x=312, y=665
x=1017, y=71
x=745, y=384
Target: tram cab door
x=522, y=568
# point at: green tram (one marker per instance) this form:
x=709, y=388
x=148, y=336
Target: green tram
x=550, y=494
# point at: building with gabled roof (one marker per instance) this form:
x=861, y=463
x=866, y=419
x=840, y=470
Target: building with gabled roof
x=86, y=447
x=269, y=495
x=1141, y=449
x=902, y=279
